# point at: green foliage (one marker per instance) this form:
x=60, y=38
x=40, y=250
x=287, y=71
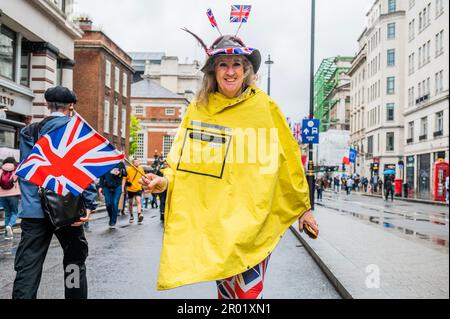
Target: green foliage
x=134, y=129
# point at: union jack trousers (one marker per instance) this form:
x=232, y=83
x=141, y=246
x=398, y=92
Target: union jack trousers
x=247, y=285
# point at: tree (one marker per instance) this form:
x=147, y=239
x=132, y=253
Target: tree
x=134, y=129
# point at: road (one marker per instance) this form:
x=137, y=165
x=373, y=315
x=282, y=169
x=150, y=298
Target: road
x=426, y=224
x=123, y=263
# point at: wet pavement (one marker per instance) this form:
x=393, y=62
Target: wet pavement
x=422, y=223
x=123, y=263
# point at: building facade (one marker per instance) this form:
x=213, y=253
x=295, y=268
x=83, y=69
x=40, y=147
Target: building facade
x=383, y=88
x=181, y=78
x=426, y=95
x=36, y=53
x=160, y=112
x=102, y=81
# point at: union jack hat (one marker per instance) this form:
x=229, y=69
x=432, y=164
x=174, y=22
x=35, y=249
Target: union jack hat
x=228, y=45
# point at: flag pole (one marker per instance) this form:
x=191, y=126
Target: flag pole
x=143, y=175
x=239, y=27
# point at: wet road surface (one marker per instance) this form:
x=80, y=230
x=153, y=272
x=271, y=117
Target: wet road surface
x=423, y=223
x=123, y=263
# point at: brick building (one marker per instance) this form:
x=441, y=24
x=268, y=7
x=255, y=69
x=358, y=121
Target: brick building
x=160, y=112
x=102, y=80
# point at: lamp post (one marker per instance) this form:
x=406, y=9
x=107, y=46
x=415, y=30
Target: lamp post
x=310, y=174
x=269, y=62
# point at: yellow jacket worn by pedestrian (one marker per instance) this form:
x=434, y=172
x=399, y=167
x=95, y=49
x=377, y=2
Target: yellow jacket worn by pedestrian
x=133, y=177
x=236, y=183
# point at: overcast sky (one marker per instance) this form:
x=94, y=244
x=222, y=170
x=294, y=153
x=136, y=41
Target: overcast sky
x=280, y=28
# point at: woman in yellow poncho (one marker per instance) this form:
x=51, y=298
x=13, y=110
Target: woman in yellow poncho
x=235, y=181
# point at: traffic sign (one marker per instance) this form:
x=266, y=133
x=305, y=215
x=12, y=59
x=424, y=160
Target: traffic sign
x=310, y=131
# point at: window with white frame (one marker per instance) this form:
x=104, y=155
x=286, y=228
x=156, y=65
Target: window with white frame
x=390, y=111
x=124, y=84
x=116, y=120
x=108, y=74
x=390, y=141
x=440, y=43
x=123, y=126
x=439, y=121
x=390, y=85
x=116, y=79
x=392, y=6
x=139, y=154
x=167, y=144
x=106, y=117
x=411, y=131
x=391, y=30
x=170, y=111
x=439, y=7
x=424, y=127
x=439, y=79
x=139, y=110
x=391, y=57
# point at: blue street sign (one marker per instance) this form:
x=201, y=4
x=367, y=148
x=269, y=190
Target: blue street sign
x=310, y=131
x=352, y=155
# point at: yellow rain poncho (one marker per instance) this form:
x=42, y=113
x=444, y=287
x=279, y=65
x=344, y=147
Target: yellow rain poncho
x=236, y=183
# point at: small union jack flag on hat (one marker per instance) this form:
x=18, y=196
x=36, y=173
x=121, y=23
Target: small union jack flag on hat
x=240, y=13
x=211, y=18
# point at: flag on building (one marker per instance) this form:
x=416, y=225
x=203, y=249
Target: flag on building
x=70, y=158
x=211, y=18
x=297, y=131
x=353, y=153
x=345, y=160
x=240, y=13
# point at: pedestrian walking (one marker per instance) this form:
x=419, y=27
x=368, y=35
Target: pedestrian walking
x=226, y=217
x=134, y=189
x=9, y=194
x=111, y=186
x=379, y=186
x=319, y=188
x=336, y=183
x=349, y=185
x=389, y=188
x=37, y=230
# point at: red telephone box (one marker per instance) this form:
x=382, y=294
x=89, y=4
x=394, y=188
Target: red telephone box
x=441, y=171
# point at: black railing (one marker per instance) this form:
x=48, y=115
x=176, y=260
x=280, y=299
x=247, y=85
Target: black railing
x=422, y=137
x=437, y=133
x=409, y=140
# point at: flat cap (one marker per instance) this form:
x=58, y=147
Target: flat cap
x=60, y=94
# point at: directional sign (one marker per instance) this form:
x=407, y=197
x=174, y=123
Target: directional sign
x=310, y=131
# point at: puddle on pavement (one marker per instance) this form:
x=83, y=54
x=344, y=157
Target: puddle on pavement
x=391, y=218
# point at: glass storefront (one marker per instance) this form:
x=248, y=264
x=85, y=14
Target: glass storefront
x=7, y=52
x=423, y=175
x=410, y=171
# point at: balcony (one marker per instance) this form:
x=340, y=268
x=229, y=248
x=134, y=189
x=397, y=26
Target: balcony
x=409, y=141
x=438, y=133
x=423, y=99
x=422, y=137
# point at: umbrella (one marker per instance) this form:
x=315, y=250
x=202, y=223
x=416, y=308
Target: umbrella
x=389, y=172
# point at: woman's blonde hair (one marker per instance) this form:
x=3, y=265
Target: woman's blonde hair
x=209, y=84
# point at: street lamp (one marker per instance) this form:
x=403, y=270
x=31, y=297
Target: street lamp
x=310, y=174
x=269, y=62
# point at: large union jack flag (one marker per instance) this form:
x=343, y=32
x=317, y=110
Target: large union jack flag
x=240, y=13
x=69, y=158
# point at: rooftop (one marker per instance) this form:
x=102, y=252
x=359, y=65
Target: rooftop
x=151, y=89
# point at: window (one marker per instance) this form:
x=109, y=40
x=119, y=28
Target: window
x=439, y=7
x=108, y=74
x=439, y=43
x=370, y=145
x=439, y=123
x=167, y=144
x=139, y=110
x=420, y=21
x=7, y=52
x=116, y=120
x=391, y=57
x=106, y=117
x=439, y=79
x=390, y=87
x=410, y=132
x=423, y=128
x=170, y=111
x=392, y=6
x=411, y=3
x=390, y=111
x=428, y=51
x=390, y=141
x=116, y=79
x=391, y=31
x=123, y=126
x=140, y=146
x=124, y=84
x=24, y=66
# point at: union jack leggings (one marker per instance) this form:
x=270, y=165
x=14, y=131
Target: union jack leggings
x=247, y=285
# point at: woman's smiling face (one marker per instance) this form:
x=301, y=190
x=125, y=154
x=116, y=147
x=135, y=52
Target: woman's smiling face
x=230, y=75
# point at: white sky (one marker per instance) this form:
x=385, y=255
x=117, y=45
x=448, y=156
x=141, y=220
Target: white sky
x=280, y=28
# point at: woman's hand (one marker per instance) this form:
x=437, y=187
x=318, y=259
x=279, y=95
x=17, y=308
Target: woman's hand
x=82, y=220
x=308, y=218
x=152, y=183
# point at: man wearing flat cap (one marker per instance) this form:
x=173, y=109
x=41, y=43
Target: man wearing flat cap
x=37, y=230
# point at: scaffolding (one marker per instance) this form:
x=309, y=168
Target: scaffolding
x=326, y=80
